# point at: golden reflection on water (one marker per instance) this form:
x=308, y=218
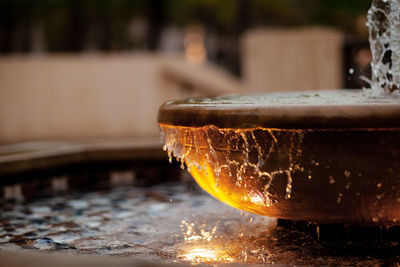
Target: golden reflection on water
x=223, y=241
x=198, y=255
x=202, y=244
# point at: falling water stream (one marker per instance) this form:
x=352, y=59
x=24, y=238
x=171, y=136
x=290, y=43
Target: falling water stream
x=384, y=28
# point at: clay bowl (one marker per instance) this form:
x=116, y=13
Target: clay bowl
x=324, y=157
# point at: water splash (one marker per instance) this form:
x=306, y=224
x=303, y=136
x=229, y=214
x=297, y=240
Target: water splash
x=193, y=233
x=384, y=29
x=213, y=154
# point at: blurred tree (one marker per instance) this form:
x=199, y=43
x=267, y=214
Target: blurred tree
x=69, y=25
x=216, y=13
x=338, y=13
x=155, y=11
x=15, y=20
x=221, y=14
x=109, y=20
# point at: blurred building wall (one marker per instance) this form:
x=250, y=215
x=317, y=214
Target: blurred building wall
x=118, y=95
x=75, y=97
x=96, y=96
x=292, y=59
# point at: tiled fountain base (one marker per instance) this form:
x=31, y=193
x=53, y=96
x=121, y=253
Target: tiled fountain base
x=156, y=223
x=170, y=223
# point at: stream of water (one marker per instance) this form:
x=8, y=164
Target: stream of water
x=384, y=28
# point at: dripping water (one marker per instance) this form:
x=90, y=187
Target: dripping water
x=242, y=140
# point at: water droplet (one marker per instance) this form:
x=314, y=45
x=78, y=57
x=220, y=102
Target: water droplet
x=351, y=71
x=339, y=199
x=331, y=180
x=348, y=185
x=347, y=174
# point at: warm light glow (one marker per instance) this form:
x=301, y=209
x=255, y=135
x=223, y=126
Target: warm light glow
x=220, y=173
x=238, y=198
x=201, y=244
x=195, y=51
x=259, y=200
x=204, y=255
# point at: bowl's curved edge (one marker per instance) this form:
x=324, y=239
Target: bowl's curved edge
x=283, y=116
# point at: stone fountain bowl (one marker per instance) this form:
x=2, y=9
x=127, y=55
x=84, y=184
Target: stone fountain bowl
x=324, y=157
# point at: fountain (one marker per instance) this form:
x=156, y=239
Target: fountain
x=323, y=157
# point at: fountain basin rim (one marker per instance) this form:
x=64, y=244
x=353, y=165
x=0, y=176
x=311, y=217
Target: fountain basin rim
x=302, y=115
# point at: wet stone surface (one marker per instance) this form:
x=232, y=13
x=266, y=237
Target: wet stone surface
x=170, y=223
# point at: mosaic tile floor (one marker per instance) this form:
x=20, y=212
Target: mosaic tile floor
x=169, y=223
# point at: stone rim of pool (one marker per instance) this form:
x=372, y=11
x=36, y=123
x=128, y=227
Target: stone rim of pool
x=297, y=110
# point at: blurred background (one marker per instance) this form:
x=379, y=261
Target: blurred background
x=72, y=69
